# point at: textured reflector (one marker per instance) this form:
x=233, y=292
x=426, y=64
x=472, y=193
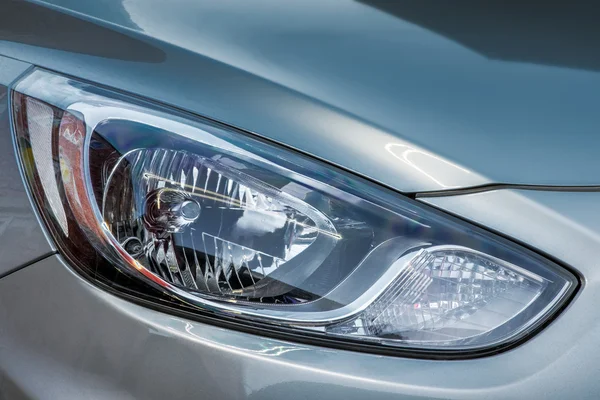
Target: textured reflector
x=192, y=222
x=447, y=294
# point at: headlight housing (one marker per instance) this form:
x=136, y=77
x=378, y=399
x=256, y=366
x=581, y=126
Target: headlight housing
x=193, y=214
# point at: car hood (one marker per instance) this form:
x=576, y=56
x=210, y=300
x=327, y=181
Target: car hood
x=419, y=97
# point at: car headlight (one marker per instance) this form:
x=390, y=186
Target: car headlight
x=190, y=213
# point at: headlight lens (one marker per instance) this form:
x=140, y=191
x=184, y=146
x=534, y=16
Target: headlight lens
x=192, y=213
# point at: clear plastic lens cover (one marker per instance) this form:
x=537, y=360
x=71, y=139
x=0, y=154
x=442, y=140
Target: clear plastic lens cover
x=157, y=203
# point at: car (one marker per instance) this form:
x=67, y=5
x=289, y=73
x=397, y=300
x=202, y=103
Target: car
x=299, y=200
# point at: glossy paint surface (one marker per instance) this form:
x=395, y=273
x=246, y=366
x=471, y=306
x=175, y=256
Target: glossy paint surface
x=396, y=93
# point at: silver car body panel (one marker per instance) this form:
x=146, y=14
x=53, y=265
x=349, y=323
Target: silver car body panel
x=390, y=99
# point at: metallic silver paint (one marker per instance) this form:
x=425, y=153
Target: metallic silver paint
x=362, y=88
x=11, y=69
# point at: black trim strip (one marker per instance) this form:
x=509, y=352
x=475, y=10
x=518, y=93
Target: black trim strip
x=497, y=186
x=27, y=264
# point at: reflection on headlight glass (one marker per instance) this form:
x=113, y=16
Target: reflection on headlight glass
x=193, y=214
